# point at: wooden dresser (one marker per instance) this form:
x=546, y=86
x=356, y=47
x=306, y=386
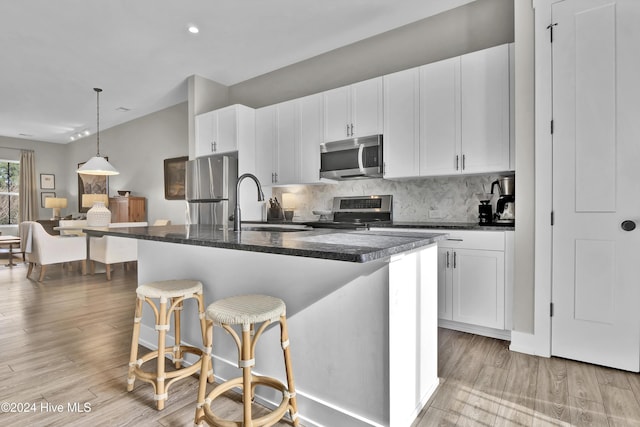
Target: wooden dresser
x=128, y=209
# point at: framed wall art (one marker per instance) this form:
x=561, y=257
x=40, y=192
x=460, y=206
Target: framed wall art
x=47, y=181
x=174, y=178
x=91, y=184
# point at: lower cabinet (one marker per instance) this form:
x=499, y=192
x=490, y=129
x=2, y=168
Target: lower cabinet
x=475, y=280
x=472, y=283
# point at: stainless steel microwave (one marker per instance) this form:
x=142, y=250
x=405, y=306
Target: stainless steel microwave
x=352, y=158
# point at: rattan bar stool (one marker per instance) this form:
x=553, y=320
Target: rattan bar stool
x=247, y=310
x=172, y=294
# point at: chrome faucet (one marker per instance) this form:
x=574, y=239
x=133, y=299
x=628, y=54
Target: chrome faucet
x=237, y=221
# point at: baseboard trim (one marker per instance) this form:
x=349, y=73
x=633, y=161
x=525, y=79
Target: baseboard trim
x=474, y=329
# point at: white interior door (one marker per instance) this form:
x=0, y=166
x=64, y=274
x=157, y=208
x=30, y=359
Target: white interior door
x=596, y=182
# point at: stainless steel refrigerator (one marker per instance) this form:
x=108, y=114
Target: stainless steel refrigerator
x=211, y=189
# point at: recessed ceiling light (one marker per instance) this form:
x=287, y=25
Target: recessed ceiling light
x=85, y=133
x=193, y=29
x=72, y=138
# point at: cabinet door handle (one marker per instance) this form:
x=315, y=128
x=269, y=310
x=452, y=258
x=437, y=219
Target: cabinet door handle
x=457, y=161
x=463, y=162
x=447, y=259
x=455, y=260
x=347, y=129
x=272, y=177
x=351, y=129
x=276, y=174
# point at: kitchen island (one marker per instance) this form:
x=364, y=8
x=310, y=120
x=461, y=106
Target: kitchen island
x=361, y=308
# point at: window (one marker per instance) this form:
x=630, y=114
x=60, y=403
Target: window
x=9, y=191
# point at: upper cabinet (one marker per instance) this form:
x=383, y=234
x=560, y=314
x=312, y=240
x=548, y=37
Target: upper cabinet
x=219, y=131
x=401, y=140
x=354, y=110
x=288, y=138
x=464, y=116
x=440, y=139
x=484, y=95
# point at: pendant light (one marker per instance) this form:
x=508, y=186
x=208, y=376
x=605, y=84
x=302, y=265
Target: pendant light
x=97, y=165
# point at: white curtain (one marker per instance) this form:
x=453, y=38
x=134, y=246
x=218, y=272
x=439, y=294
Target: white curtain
x=28, y=187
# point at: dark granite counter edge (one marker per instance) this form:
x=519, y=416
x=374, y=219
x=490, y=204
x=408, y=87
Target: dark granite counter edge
x=447, y=226
x=367, y=254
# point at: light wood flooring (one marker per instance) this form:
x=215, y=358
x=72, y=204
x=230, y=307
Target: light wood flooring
x=67, y=340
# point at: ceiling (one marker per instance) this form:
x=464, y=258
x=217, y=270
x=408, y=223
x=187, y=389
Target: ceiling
x=140, y=53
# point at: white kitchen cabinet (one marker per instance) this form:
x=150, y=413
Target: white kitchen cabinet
x=220, y=130
x=484, y=94
x=401, y=141
x=464, y=117
x=474, y=277
x=445, y=279
x=311, y=120
x=354, y=110
x=288, y=138
x=440, y=143
x=475, y=280
x=286, y=150
x=265, y=143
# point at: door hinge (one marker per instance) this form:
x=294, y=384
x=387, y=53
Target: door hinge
x=552, y=127
x=550, y=28
x=551, y=309
x=553, y=218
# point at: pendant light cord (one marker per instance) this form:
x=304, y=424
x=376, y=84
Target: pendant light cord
x=98, y=90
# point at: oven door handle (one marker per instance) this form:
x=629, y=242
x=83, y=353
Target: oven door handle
x=361, y=157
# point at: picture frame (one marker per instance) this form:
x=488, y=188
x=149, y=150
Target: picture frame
x=91, y=184
x=174, y=178
x=47, y=181
x=45, y=195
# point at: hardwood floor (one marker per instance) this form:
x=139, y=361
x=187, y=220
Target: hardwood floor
x=66, y=341
x=484, y=384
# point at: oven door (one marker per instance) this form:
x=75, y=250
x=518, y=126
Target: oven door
x=352, y=158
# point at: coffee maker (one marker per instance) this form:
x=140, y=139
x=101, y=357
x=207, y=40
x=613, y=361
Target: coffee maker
x=505, y=207
x=485, y=215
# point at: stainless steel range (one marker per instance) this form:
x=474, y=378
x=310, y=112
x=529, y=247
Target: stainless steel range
x=358, y=212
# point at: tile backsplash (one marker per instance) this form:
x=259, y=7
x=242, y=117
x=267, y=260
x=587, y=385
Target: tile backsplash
x=447, y=199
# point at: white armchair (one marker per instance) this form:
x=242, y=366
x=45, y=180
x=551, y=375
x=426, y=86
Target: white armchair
x=112, y=249
x=43, y=249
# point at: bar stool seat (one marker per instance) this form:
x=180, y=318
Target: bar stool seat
x=247, y=310
x=172, y=294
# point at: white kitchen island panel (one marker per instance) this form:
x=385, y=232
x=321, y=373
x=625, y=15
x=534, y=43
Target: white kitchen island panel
x=363, y=335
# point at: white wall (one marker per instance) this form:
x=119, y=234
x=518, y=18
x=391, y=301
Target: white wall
x=137, y=149
x=49, y=159
x=523, y=295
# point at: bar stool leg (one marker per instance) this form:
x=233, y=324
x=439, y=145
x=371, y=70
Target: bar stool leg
x=177, y=351
x=131, y=378
x=247, y=362
x=207, y=347
x=162, y=327
x=284, y=338
x=205, y=366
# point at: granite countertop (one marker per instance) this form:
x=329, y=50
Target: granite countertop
x=340, y=245
x=448, y=225
x=416, y=224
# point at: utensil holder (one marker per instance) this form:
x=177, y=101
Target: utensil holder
x=274, y=214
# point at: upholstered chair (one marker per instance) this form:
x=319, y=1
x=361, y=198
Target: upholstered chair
x=43, y=249
x=112, y=249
